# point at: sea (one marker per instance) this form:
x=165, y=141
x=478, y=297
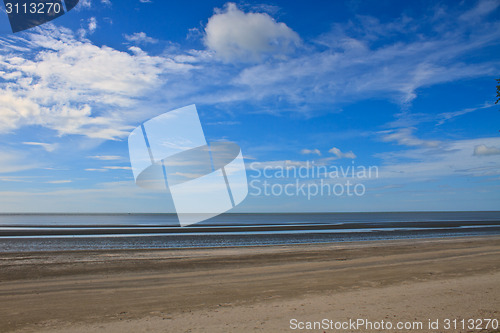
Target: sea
x=66, y=232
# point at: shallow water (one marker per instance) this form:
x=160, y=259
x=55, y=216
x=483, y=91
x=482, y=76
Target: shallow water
x=54, y=232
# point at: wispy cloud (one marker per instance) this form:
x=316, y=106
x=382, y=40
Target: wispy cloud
x=311, y=151
x=107, y=168
x=339, y=154
x=50, y=147
x=106, y=157
x=118, y=168
x=96, y=169
x=446, y=116
x=482, y=9
x=224, y=123
x=12, y=161
x=405, y=137
x=140, y=38
x=16, y=179
x=65, y=181
x=360, y=60
x=101, y=197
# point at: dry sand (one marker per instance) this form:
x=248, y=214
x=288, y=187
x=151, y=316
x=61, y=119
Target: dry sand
x=251, y=289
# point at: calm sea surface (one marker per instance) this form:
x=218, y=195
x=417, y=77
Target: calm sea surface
x=54, y=232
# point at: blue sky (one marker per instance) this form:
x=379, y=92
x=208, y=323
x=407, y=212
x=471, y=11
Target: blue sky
x=407, y=87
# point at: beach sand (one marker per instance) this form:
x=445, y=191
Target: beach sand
x=252, y=289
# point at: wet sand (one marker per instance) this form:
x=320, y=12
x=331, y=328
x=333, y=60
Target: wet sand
x=252, y=288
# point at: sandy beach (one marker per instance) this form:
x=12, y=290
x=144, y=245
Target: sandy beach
x=254, y=289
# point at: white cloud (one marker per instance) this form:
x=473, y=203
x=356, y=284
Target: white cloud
x=408, y=119
x=65, y=181
x=12, y=161
x=238, y=36
x=103, y=197
x=311, y=151
x=445, y=116
x=140, y=38
x=224, y=123
x=453, y=158
x=282, y=164
x=482, y=9
x=360, y=60
x=117, y=168
x=105, y=157
x=405, y=137
x=339, y=154
x=483, y=150
x=16, y=179
x=69, y=85
x=16, y=111
x=50, y=147
x=92, y=26
x=73, y=86
x=84, y=4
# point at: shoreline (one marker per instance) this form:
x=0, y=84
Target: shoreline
x=27, y=244
x=377, y=242
x=71, y=290
x=92, y=230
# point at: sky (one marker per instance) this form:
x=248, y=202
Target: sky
x=404, y=89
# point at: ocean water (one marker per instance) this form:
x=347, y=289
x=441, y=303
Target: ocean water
x=57, y=232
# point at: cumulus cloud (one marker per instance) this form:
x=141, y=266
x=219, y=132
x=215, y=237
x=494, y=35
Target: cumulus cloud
x=16, y=111
x=339, y=154
x=483, y=150
x=310, y=151
x=238, y=36
x=405, y=137
x=73, y=86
